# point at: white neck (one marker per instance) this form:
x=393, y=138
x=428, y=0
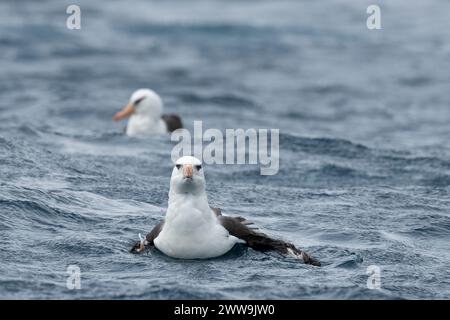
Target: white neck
x=187, y=203
x=198, y=201
x=142, y=124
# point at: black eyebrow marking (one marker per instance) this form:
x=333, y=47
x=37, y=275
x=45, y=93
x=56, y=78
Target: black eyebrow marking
x=138, y=101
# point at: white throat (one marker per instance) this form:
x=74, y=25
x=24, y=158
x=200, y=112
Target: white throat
x=190, y=205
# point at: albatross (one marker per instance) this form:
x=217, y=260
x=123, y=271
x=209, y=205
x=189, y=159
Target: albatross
x=145, y=109
x=192, y=229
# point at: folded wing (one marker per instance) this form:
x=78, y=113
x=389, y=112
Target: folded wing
x=242, y=229
x=173, y=122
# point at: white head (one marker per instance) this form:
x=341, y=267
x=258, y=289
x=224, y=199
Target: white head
x=143, y=102
x=187, y=177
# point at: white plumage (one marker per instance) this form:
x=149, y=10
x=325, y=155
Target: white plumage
x=145, y=110
x=191, y=229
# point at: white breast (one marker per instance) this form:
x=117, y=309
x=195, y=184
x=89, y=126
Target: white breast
x=192, y=233
x=140, y=126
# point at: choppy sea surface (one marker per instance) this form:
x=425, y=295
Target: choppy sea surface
x=364, y=120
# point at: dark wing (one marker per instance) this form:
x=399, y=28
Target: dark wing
x=173, y=122
x=138, y=247
x=240, y=228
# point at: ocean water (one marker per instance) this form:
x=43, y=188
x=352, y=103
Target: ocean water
x=363, y=115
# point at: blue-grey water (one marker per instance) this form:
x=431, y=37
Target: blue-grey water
x=364, y=129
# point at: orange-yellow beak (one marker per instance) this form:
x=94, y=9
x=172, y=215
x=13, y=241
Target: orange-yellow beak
x=125, y=113
x=187, y=171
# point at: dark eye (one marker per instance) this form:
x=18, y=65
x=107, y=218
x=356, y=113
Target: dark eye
x=178, y=166
x=138, y=100
x=198, y=168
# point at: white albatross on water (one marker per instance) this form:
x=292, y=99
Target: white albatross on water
x=145, y=110
x=193, y=230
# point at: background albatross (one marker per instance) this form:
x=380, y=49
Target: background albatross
x=145, y=111
x=194, y=230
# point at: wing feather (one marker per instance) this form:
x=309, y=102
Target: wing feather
x=238, y=227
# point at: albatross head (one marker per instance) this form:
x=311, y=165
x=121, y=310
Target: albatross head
x=187, y=176
x=143, y=102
